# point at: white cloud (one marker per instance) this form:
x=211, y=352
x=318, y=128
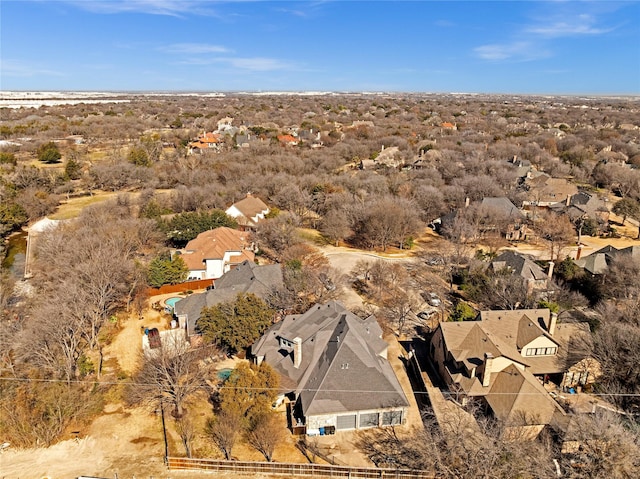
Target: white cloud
x=518, y=51
x=535, y=39
x=194, y=48
x=583, y=24
x=154, y=7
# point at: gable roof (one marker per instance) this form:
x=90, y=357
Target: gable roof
x=288, y=139
x=341, y=353
x=213, y=244
x=599, y=261
x=251, y=206
x=582, y=204
x=519, y=264
x=514, y=393
x=504, y=206
x=505, y=333
x=544, y=188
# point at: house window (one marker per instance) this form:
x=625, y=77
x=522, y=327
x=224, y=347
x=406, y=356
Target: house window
x=541, y=351
x=390, y=418
x=369, y=419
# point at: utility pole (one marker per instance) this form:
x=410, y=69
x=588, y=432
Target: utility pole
x=164, y=431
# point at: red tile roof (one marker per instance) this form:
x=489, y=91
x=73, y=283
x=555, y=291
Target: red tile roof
x=213, y=244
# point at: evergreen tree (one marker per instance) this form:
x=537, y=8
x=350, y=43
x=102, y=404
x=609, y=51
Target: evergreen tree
x=184, y=227
x=163, y=270
x=235, y=325
x=49, y=153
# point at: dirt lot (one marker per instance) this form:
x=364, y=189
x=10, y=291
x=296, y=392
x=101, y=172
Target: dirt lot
x=128, y=441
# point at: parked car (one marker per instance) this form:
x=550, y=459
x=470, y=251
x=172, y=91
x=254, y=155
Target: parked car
x=435, y=261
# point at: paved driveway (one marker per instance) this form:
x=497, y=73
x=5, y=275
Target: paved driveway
x=345, y=259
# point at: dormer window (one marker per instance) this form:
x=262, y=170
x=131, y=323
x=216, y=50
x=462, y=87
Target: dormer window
x=285, y=343
x=541, y=351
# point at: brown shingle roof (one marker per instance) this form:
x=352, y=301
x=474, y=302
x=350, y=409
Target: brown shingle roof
x=514, y=393
x=251, y=206
x=213, y=244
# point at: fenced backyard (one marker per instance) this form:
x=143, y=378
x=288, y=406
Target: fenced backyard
x=292, y=469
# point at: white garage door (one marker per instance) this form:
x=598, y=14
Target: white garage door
x=346, y=422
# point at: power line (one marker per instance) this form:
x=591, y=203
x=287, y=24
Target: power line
x=348, y=391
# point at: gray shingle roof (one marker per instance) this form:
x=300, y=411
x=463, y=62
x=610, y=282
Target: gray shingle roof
x=504, y=206
x=519, y=264
x=245, y=278
x=343, y=366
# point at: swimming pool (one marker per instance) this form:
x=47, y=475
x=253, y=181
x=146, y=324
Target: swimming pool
x=171, y=302
x=224, y=374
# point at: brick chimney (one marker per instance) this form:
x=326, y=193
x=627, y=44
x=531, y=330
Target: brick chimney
x=550, y=272
x=297, y=352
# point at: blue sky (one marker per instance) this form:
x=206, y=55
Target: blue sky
x=552, y=47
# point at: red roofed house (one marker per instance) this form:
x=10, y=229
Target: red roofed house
x=207, y=140
x=214, y=252
x=288, y=140
x=248, y=212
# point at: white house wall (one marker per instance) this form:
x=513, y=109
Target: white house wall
x=501, y=362
x=539, y=342
x=234, y=212
x=214, y=268
x=314, y=423
x=197, y=274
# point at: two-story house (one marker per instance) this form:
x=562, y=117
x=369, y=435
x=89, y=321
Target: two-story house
x=504, y=358
x=334, y=368
x=245, y=278
x=248, y=211
x=214, y=252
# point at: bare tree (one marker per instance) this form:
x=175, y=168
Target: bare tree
x=274, y=235
x=187, y=432
x=171, y=373
x=265, y=433
x=397, y=308
x=223, y=431
x=557, y=231
x=54, y=338
x=335, y=226
x=385, y=221
x=458, y=452
x=601, y=446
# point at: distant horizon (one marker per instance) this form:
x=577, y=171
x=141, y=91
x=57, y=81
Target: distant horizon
x=537, y=48
x=318, y=92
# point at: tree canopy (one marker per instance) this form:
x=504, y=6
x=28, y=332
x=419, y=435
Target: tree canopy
x=184, y=227
x=235, y=325
x=250, y=391
x=165, y=270
x=49, y=153
x=628, y=208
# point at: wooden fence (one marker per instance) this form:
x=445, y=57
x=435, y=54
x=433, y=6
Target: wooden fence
x=181, y=287
x=293, y=470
